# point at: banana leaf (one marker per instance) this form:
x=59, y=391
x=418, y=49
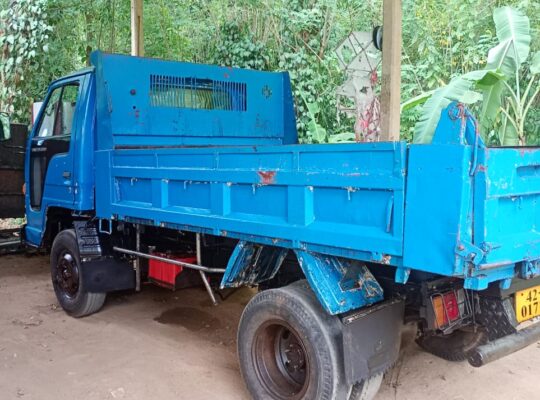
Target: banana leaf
x=460, y=90
x=513, y=31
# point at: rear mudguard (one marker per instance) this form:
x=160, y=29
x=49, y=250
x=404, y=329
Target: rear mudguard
x=372, y=339
x=341, y=285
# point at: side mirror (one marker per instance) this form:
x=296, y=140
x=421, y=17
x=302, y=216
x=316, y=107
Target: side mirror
x=378, y=37
x=5, y=130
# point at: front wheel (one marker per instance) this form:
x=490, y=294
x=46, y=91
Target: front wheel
x=289, y=349
x=67, y=278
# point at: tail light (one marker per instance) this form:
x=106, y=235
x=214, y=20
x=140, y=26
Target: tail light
x=449, y=307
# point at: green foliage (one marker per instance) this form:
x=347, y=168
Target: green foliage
x=416, y=101
x=535, y=64
x=238, y=47
x=442, y=40
x=513, y=31
x=315, y=131
x=504, y=63
x=23, y=42
x=459, y=89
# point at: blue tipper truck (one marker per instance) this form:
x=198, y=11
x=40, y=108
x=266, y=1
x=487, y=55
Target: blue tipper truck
x=140, y=169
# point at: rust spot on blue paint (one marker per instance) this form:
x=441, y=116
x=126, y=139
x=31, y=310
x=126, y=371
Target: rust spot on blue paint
x=482, y=168
x=267, y=177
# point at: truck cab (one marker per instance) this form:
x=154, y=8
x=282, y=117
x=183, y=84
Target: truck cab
x=59, y=175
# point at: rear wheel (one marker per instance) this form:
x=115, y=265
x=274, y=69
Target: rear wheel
x=67, y=278
x=289, y=349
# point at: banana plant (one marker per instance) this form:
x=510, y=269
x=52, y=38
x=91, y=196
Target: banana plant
x=505, y=103
x=516, y=105
x=461, y=89
x=315, y=131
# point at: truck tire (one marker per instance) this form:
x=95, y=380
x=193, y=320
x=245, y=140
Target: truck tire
x=66, y=277
x=453, y=347
x=289, y=349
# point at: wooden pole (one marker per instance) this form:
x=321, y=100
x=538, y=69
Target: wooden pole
x=391, y=70
x=137, y=38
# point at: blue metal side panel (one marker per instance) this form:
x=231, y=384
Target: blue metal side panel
x=507, y=210
x=151, y=102
x=346, y=200
x=439, y=205
x=83, y=167
x=471, y=210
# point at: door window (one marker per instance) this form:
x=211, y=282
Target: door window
x=53, y=137
x=58, y=114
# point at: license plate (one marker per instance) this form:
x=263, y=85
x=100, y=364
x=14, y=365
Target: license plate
x=528, y=303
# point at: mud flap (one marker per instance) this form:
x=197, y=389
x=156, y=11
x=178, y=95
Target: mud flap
x=107, y=275
x=371, y=340
x=101, y=272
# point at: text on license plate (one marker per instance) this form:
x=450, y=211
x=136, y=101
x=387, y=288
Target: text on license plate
x=528, y=303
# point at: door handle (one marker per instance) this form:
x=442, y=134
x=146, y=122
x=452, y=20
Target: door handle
x=66, y=175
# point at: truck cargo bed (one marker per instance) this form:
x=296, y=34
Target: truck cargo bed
x=339, y=199
x=214, y=150
x=172, y=152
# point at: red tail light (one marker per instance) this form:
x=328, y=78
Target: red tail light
x=447, y=308
x=452, y=308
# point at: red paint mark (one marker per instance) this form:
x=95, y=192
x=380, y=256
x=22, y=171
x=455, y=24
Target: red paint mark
x=482, y=168
x=267, y=177
x=226, y=75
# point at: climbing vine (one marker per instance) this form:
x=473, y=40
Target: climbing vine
x=24, y=35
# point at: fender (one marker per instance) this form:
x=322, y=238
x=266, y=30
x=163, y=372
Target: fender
x=252, y=263
x=341, y=285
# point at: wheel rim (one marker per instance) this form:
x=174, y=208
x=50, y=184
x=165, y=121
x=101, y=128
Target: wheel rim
x=281, y=361
x=66, y=276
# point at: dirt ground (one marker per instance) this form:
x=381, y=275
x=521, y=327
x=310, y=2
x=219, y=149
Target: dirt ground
x=175, y=345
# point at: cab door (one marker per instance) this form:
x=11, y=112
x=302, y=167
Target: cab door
x=50, y=156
